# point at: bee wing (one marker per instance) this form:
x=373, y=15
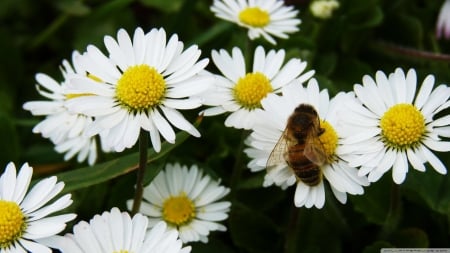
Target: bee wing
x=277, y=156
x=314, y=149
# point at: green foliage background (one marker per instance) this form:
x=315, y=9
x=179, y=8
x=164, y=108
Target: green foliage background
x=361, y=38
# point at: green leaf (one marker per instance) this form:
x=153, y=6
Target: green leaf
x=109, y=7
x=73, y=7
x=164, y=5
x=88, y=176
x=251, y=230
x=212, y=33
x=214, y=245
x=430, y=188
x=410, y=238
x=318, y=231
x=9, y=145
x=263, y=198
x=326, y=62
x=377, y=246
x=368, y=18
x=374, y=204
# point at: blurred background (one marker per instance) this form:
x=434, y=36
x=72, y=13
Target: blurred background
x=360, y=38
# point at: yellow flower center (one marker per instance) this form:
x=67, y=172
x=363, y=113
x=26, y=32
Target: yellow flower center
x=121, y=251
x=402, y=126
x=12, y=223
x=254, y=16
x=251, y=89
x=140, y=88
x=329, y=140
x=178, y=210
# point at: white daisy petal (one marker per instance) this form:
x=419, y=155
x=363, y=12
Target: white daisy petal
x=385, y=164
x=441, y=146
x=395, y=146
x=415, y=160
x=439, y=96
x=179, y=186
x=301, y=194
x=22, y=182
x=122, y=51
x=340, y=196
x=63, y=124
x=411, y=83
x=280, y=18
x=228, y=65
x=163, y=126
x=264, y=140
x=177, y=119
x=320, y=198
x=31, y=206
x=244, y=93
x=116, y=231
x=287, y=73
x=434, y=161
x=33, y=247
x=8, y=182
x=424, y=91
x=443, y=121
x=399, y=79
x=121, y=106
x=369, y=95
x=400, y=168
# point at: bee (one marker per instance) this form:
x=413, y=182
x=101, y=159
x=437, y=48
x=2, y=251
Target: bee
x=300, y=147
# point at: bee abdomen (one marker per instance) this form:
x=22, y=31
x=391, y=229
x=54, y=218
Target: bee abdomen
x=305, y=170
x=310, y=175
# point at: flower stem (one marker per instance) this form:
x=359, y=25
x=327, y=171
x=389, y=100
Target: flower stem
x=410, y=52
x=143, y=146
x=292, y=230
x=237, y=168
x=394, y=213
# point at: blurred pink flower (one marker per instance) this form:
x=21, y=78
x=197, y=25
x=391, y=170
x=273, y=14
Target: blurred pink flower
x=443, y=22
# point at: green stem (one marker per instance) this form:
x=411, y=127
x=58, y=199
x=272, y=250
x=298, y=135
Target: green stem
x=237, y=168
x=292, y=230
x=143, y=147
x=394, y=213
x=42, y=37
x=410, y=52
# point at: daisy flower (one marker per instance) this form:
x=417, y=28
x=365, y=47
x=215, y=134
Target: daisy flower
x=116, y=231
x=187, y=201
x=390, y=125
x=240, y=92
x=323, y=8
x=24, y=215
x=264, y=18
x=65, y=129
x=141, y=84
x=268, y=130
x=443, y=21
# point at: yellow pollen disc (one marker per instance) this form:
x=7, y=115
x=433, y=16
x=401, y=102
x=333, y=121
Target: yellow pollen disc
x=141, y=87
x=402, y=126
x=178, y=210
x=251, y=89
x=254, y=16
x=12, y=223
x=329, y=140
x=121, y=251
